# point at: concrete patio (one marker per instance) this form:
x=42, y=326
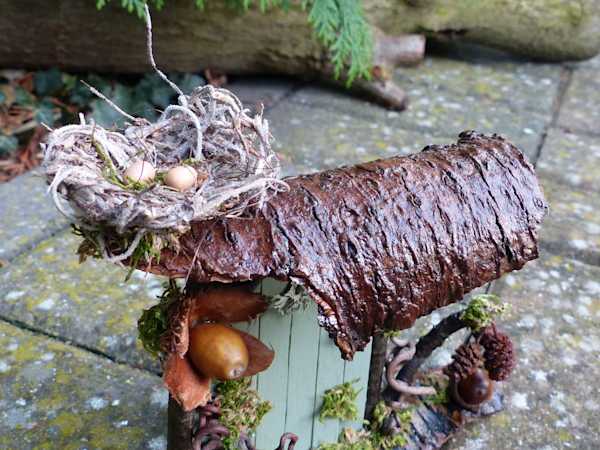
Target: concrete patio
x=74, y=376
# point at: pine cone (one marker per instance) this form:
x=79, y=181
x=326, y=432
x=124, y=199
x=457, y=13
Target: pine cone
x=499, y=353
x=466, y=359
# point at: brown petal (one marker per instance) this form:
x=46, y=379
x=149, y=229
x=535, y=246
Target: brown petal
x=260, y=355
x=189, y=388
x=226, y=304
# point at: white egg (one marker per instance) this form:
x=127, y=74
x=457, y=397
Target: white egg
x=140, y=171
x=181, y=178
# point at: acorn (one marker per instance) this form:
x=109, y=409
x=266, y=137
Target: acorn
x=218, y=351
x=473, y=390
x=181, y=178
x=140, y=171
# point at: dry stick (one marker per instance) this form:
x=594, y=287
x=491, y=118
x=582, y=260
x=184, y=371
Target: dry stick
x=378, y=352
x=180, y=426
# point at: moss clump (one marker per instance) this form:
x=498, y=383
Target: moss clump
x=148, y=249
x=339, y=402
x=372, y=437
x=153, y=322
x=241, y=409
x=482, y=311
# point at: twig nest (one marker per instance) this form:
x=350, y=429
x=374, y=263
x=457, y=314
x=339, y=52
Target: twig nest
x=181, y=178
x=218, y=351
x=208, y=136
x=140, y=171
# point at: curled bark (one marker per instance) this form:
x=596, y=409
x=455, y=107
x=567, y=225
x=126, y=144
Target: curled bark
x=379, y=244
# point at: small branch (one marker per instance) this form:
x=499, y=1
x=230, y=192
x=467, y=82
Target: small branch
x=428, y=343
x=378, y=351
x=179, y=427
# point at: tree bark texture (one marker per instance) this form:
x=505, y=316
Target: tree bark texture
x=72, y=34
x=379, y=244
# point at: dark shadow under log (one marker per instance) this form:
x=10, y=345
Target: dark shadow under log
x=380, y=244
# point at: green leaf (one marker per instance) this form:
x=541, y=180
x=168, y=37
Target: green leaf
x=189, y=81
x=8, y=144
x=161, y=95
x=48, y=82
x=45, y=113
x=23, y=98
x=104, y=114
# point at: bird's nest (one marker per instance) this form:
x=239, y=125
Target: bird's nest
x=209, y=130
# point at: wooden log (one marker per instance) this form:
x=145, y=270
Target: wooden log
x=73, y=35
x=380, y=244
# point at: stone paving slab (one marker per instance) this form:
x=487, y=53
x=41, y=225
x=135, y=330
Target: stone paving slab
x=553, y=398
x=27, y=215
x=54, y=396
x=574, y=159
x=89, y=304
x=439, y=113
x=264, y=90
x=309, y=139
x=580, y=110
x=523, y=86
x=572, y=225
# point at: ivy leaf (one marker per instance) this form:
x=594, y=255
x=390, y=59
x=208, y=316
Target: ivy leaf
x=161, y=95
x=48, y=82
x=8, y=144
x=189, y=82
x=23, y=98
x=104, y=114
x=45, y=113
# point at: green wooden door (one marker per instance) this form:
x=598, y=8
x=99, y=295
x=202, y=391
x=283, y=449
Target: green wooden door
x=306, y=364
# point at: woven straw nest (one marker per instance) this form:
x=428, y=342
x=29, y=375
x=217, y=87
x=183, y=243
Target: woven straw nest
x=208, y=130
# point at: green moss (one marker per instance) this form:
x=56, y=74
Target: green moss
x=482, y=311
x=241, y=409
x=339, y=402
x=372, y=436
x=153, y=322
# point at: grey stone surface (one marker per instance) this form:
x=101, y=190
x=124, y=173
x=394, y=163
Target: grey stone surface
x=521, y=85
x=89, y=304
x=439, y=113
x=573, y=159
x=580, y=111
x=310, y=139
x=54, y=396
x=553, y=398
x=256, y=91
x=572, y=225
x=27, y=215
